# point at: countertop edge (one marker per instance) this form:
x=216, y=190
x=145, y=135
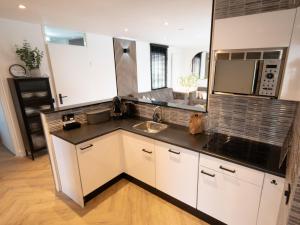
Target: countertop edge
x=182, y=146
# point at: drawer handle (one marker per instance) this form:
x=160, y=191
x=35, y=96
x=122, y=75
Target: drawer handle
x=229, y=170
x=89, y=146
x=144, y=150
x=274, y=182
x=208, y=174
x=177, y=153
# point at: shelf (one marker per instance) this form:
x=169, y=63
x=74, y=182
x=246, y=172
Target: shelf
x=37, y=101
x=41, y=131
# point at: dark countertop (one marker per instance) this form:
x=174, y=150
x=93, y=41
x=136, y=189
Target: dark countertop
x=179, y=136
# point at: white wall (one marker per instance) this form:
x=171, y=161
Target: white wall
x=12, y=33
x=84, y=73
x=143, y=66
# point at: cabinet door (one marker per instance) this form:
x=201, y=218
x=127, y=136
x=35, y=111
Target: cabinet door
x=270, y=200
x=263, y=30
x=177, y=172
x=99, y=160
x=290, y=85
x=227, y=198
x=139, y=155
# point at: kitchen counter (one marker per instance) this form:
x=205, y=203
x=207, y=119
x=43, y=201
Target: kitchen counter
x=179, y=136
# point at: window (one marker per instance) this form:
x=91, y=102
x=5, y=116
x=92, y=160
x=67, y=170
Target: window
x=159, y=62
x=62, y=36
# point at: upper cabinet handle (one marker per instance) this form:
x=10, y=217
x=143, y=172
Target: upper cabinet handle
x=89, y=146
x=229, y=170
x=177, y=153
x=144, y=150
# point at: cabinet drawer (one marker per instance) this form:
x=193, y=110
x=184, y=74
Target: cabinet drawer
x=232, y=169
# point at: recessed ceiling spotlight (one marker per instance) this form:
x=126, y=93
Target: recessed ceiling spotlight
x=22, y=6
x=166, y=23
x=126, y=29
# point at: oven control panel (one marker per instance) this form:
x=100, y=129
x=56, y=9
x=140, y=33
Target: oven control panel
x=269, y=77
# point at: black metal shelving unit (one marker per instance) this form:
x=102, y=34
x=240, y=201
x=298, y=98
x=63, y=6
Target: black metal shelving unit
x=30, y=96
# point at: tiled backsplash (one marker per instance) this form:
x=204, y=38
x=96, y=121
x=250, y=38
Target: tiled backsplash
x=55, y=119
x=232, y=8
x=258, y=119
x=169, y=115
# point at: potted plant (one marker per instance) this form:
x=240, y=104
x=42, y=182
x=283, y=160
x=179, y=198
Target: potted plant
x=31, y=57
x=189, y=81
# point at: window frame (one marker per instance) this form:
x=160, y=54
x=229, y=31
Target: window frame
x=165, y=49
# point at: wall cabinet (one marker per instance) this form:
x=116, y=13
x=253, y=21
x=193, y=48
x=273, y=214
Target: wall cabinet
x=290, y=85
x=139, y=157
x=99, y=161
x=264, y=30
x=177, y=172
x=271, y=196
x=224, y=195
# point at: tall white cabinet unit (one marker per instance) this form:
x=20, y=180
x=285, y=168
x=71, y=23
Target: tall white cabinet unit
x=271, y=196
x=290, y=89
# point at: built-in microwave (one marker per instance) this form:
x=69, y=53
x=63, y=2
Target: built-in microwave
x=249, y=71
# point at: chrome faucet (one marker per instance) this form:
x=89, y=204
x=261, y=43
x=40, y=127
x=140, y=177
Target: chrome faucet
x=157, y=117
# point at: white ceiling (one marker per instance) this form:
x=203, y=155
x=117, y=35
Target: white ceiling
x=144, y=18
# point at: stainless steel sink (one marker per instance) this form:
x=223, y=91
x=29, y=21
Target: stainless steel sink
x=150, y=127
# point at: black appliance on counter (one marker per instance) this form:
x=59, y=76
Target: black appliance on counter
x=30, y=96
x=130, y=109
x=117, y=108
x=122, y=109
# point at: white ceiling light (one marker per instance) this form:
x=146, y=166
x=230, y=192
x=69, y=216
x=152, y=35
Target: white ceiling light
x=22, y=6
x=166, y=23
x=126, y=29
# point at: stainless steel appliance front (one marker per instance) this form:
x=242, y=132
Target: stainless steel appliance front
x=249, y=72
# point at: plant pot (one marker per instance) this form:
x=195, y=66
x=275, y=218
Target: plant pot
x=35, y=72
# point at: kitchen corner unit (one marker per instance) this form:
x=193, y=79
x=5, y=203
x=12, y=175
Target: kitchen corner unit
x=182, y=169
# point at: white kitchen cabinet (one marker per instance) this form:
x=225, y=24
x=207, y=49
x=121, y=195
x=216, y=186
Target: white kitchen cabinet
x=177, y=172
x=272, y=194
x=69, y=175
x=99, y=160
x=264, y=30
x=225, y=196
x=290, y=89
x=139, y=157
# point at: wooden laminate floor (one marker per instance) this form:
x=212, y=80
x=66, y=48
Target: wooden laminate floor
x=27, y=197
